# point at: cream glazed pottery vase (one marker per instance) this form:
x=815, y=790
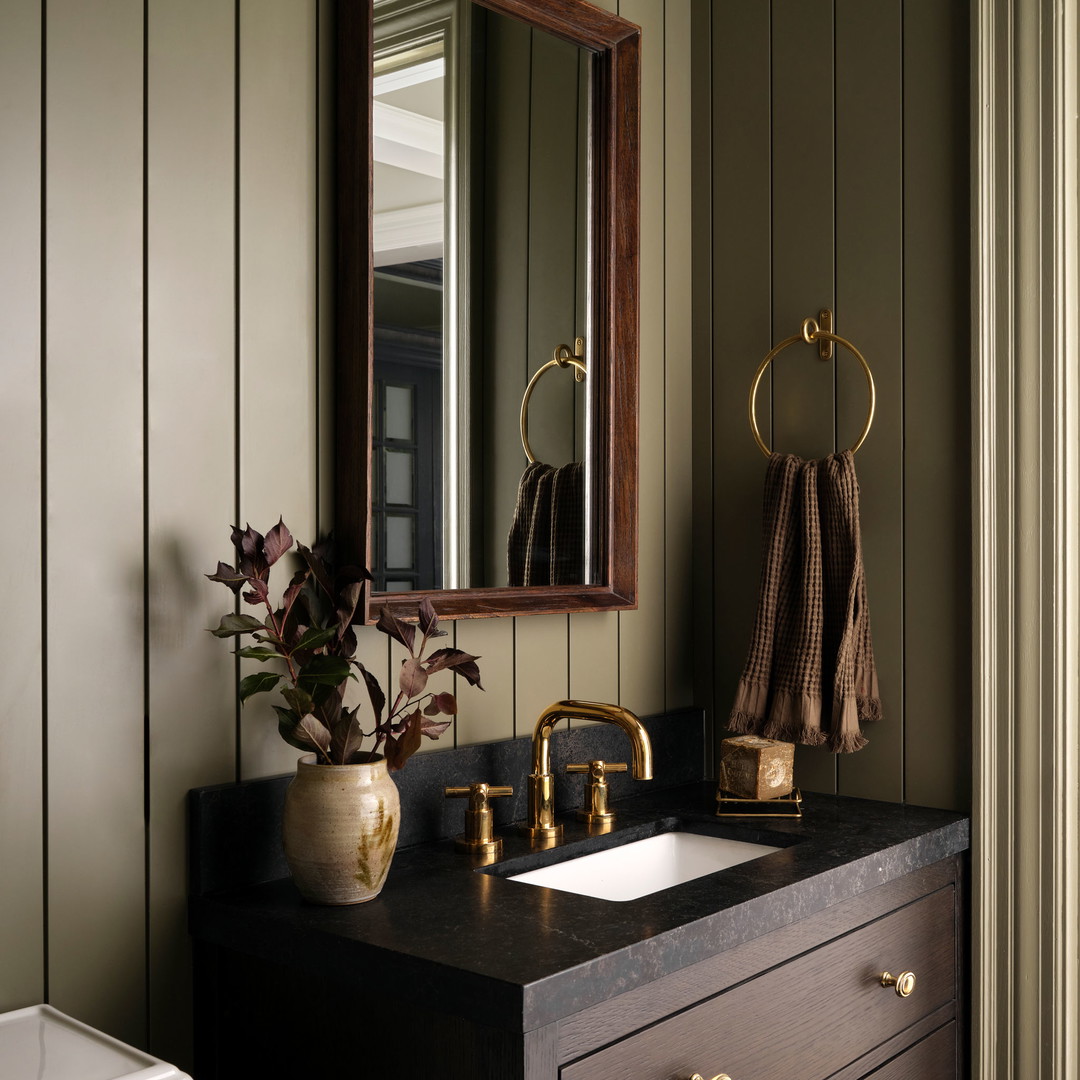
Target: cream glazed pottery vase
x=339, y=830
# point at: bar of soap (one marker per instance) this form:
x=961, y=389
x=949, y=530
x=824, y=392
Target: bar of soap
x=756, y=768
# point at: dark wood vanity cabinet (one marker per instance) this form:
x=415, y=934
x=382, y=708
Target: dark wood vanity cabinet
x=803, y=1002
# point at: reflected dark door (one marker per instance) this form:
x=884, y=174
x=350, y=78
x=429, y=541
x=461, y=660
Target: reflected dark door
x=407, y=462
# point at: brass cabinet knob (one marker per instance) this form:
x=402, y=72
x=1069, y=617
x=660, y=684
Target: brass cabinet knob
x=904, y=982
x=478, y=838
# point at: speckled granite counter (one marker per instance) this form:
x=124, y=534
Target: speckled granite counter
x=446, y=936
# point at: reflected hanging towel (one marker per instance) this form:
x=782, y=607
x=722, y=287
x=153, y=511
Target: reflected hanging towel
x=567, y=544
x=546, y=543
x=810, y=676
x=517, y=541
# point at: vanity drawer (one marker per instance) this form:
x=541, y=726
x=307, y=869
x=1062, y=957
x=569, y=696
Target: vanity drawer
x=932, y=1059
x=806, y=1018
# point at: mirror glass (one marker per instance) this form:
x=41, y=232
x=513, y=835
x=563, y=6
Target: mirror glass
x=482, y=252
x=486, y=257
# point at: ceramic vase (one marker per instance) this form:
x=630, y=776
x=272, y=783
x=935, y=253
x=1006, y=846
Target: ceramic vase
x=339, y=830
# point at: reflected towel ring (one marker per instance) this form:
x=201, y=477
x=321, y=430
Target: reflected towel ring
x=811, y=333
x=562, y=357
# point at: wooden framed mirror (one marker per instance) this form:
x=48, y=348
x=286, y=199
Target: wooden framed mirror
x=433, y=487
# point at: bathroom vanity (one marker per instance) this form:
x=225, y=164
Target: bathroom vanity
x=770, y=969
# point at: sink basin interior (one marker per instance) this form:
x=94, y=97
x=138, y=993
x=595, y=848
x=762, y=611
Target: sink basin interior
x=645, y=866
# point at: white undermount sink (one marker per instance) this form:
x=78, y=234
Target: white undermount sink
x=644, y=866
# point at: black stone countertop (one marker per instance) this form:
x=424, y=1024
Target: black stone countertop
x=446, y=936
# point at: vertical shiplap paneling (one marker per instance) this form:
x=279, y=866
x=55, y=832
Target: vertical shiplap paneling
x=542, y=672
x=594, y=637
x=937, y=527
x=541, y=667
x=94, y=541
x=742, y=323
x=277, y=274
x=505, y=289
x=324, y=228
x=484, y=716
x=22, y=941
x=490, y=715
x=679, y=579
x=802, y=250
x=552, y=295
x=701, y=277
x=191, y=460
x=869, y=312
x=641, y=632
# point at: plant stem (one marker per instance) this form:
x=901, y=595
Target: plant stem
x=278, y=632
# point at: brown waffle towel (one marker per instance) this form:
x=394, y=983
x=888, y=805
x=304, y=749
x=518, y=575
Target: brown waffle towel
x=546, y=543
x=810, y=674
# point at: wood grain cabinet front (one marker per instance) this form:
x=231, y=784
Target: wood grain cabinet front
x=821, y=1014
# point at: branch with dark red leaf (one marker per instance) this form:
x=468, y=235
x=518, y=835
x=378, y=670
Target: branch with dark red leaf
x=312, y=633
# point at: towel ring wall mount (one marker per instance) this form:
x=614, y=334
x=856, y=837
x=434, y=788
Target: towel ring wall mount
x=562, y=356
x=812, y=333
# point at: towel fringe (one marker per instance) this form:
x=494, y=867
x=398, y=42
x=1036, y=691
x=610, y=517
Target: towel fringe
x=869, y=709
x=743, y=723
x=846, y=742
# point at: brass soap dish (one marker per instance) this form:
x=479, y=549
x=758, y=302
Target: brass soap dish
x=785, y=806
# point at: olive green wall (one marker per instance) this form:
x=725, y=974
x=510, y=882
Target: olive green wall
x=165, y=316
x=164, y=304
x=531, y=298
x=838, y=177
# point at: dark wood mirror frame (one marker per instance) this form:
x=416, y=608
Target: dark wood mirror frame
x=616, y=45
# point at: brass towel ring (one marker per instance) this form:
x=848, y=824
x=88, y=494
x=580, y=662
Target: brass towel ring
x=810, y=333
x=562, y=357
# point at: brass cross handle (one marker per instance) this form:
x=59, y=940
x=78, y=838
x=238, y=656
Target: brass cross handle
x=595, y=811
x=904, y=982
x=478, y=838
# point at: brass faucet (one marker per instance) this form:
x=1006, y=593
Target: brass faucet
x=541, y=822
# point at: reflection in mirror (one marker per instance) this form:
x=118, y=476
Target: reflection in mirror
x=480, y=145
x=497, y=140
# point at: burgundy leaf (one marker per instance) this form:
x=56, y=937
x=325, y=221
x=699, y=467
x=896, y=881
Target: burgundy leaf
x=237, y=624
x=347, y=643
x=433, y=728
x=310, y=729
x=300, y=700
x=447, y=658
x=347, y=600
x=446, y=703
x=413, y=678
x=429, y=621
x=347, y=736
x=431, y=708
x=259, y=592
x=390, y=624
x=399, y=750
x=469, y=672
x=391, y=750
x=378, y=698
x=251, y=542
x=354, y=573
x=278, y=541
x=318, y=568
x=228, y=576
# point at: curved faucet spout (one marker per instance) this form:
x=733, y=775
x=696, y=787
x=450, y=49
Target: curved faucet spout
x=541, y=823
x=641, y=748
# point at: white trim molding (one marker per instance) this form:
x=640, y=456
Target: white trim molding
x=1026, y=513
